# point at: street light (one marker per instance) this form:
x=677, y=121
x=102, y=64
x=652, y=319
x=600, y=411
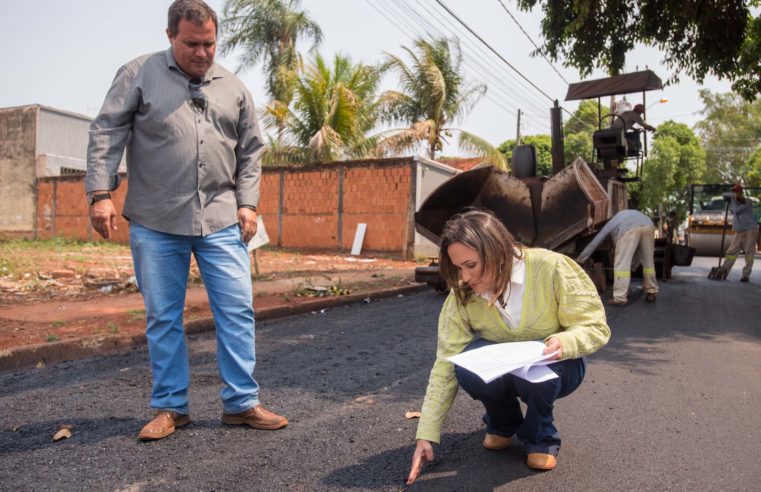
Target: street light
x=663, y=100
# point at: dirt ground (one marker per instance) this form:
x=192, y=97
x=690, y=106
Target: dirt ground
x=43, y=274
x=40, y=271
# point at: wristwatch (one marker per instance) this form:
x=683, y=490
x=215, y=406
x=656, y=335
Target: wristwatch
x=96, y=197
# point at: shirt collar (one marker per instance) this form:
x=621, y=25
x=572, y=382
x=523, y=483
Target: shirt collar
x=518, y=275
x=172, y=64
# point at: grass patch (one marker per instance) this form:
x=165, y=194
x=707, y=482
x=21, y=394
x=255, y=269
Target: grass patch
x=26, y=256
x=58, y=244
x=51, y=338
x=5, y=267
x=57, y=324
x=136, y=314
x=113, y=328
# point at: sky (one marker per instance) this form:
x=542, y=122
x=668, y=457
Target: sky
x=65, y=54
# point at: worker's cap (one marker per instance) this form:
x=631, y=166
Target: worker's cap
x=737, y=187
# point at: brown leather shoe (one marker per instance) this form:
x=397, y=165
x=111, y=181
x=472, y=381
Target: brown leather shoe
x=163, y=424
x=494, y=442
x=541, y=461
x=257, y=417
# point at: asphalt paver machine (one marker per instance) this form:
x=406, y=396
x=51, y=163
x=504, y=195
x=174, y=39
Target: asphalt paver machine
x=563, y=211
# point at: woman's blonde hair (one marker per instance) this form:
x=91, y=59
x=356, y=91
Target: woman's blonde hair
x=482, y=231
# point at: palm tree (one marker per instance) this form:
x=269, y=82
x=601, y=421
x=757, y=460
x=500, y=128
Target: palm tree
x=433, y=95
x=331, y=112
x=267, y=31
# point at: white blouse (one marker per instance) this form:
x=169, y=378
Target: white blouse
x=511, y=304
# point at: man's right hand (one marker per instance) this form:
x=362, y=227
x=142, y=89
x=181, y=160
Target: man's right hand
x=423, y=454
x=103, y=218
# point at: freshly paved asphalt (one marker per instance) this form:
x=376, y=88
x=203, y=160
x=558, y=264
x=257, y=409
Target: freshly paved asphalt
x=672, y=403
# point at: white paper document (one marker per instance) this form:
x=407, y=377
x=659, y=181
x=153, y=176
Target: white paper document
x=522, y=359
x=260, y=238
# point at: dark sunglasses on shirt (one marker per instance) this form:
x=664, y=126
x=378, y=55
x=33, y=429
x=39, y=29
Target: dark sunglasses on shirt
x=196, y=94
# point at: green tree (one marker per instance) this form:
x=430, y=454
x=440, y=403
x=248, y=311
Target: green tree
x=585, y=118
x=731, y=131
x=754, y=168
x=433, y=94
x=691, y=167
x=267, y=31
x=698, y=37
x=658, y=174
x=332, y=109
x=676, y=161
x=543, y=146
x=579, y=145
x=578, y=130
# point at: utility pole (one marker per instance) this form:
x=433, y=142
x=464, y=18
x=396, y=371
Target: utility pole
x=556, y=117
x=518, y=131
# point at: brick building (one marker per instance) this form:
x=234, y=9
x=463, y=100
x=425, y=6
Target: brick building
x=35, y=142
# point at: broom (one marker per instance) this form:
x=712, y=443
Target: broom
x=716, y=272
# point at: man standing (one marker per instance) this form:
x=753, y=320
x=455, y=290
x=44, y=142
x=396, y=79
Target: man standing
x=627, y=121
x=193, y=144
x=746, y=230
x=631, y=231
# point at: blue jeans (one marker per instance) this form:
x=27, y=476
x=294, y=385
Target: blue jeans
x=503, y=412
x=162, y=263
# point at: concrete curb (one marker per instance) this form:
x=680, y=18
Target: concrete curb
x=50, y=353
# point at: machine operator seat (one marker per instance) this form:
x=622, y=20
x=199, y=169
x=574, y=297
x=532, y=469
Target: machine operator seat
x=610, y=144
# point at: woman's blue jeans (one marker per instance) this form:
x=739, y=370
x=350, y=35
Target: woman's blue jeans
x=503, y=412
x=162, y=264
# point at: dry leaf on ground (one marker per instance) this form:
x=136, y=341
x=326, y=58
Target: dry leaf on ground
x=412, y=415
x=64, y=432
x=364, y=399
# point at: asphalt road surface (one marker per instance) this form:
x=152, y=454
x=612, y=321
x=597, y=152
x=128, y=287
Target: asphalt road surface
x=672, y=403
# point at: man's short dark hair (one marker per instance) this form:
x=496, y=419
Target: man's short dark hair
x=195, y=11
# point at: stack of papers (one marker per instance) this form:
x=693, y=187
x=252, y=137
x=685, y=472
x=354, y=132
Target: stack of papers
x=522, y=359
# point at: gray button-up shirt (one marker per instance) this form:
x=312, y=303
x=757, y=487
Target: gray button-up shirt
x=189, y=169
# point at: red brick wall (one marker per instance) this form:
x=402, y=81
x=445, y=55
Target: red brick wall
x=376, y=192
x=310, y=205
x=62, y=210
x=269, y=198
x=378, y=197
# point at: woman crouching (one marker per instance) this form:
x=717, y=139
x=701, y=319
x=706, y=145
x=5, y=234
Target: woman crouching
x=500, y=292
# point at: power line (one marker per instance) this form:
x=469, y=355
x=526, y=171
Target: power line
x=473, y=60
x=478, y=68
x=401, y=23
x=444, y=6
x=399, y=16
x=484, y=70
x=396, y=20
x=484, y=55
x=538, y=49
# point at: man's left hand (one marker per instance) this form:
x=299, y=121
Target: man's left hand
x=247, y=222
x=554, y=345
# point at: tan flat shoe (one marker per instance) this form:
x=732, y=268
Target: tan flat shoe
x=163, y=424
x=541, y=461
x=256, y=418
x=494, y=442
